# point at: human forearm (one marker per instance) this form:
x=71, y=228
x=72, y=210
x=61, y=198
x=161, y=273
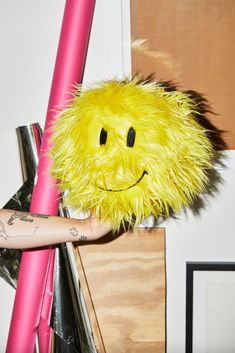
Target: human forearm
x=26, y=230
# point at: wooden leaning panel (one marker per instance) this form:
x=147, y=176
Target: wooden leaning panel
x=123, y=282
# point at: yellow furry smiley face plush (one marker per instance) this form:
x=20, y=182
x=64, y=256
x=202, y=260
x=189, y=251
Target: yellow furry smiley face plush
x=126, y=150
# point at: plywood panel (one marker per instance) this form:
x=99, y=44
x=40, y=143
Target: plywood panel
x=191, y=42
x=126, y=284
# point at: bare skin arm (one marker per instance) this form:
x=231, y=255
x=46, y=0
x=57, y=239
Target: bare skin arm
x=22, y=230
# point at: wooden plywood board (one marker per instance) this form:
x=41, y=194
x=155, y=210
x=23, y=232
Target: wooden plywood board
x=124, y=286
x=192, y=44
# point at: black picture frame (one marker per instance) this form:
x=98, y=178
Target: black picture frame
x=191, y=267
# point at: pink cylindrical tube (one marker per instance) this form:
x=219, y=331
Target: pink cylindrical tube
x=44, y=329
x=35, y=264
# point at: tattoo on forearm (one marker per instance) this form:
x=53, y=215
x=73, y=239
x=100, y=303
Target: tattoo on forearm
x=38, y=215
x=5, y=235
x=21, y=216
x=25, y=217
x=74, y=233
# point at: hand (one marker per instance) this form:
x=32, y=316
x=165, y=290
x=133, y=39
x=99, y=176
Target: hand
x=95, y=228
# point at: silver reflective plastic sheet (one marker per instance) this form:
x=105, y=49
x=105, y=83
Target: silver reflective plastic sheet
x=28, y=136
x=69, y=321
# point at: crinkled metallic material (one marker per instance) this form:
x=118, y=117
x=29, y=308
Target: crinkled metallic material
x=71, y=330
x=20, y=201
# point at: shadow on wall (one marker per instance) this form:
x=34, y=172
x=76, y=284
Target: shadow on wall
x=216, y=137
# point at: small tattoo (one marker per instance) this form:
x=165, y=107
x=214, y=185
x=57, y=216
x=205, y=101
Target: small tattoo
x=74, y=233
x=3, y=233
x=25, y=217
x=82, y=238
x=22, y=216
x=38, y=215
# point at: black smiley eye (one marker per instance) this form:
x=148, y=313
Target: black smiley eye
x=130, y=137
x=103, y=136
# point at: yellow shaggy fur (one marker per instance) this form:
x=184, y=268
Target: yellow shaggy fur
x=125, y=150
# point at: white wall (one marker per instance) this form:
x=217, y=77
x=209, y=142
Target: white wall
x=29, y=33
x=209, y=237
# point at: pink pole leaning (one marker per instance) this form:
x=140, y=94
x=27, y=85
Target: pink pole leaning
x=35, y=264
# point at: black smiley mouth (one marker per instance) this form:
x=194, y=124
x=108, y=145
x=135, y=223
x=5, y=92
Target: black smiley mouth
x=129, y=187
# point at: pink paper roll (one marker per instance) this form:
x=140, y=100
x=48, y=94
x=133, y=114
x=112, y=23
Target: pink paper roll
x=35, y=264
